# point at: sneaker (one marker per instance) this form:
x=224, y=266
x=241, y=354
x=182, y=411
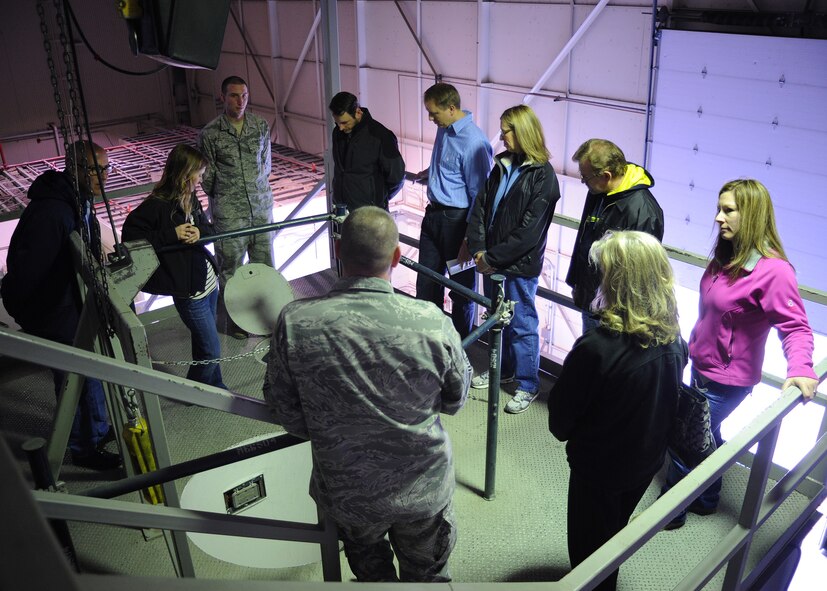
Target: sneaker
x=97, y=459
x=520, y=402
x=481, y=381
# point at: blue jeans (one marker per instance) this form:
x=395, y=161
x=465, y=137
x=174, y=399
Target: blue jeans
x=91, y=421
x=723, y=400
x=440, y=238
x=521, y=340
x=199, y=317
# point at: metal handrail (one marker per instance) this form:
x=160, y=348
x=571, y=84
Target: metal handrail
x=764, y=431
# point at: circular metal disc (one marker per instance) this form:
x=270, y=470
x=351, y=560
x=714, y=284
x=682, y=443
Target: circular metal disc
x=254, y=297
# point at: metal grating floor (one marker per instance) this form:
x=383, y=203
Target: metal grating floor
x=138, y=163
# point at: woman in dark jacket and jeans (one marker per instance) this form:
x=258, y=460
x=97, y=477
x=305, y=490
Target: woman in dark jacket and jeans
x=507, y=234
x=172, y=215
x=616, y=397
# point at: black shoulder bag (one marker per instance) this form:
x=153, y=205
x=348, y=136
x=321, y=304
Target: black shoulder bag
x=690, y=440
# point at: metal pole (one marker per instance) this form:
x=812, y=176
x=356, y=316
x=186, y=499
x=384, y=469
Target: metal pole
x=329, y=545
x=494, y=357
x=190, y=467
x=442, y=280
x=654, y=40
x=35, y=449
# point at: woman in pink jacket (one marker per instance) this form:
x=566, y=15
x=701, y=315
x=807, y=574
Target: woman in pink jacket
x=748, y=287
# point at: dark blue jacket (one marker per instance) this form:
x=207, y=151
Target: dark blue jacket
x=40, y=284
x=367, y=166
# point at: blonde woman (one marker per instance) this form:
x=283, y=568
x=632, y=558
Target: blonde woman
x=172, y=215
x=507, y=234
x=616, y=396
x=748, y=287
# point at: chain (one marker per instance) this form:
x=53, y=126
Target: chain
x=95, y=273
x=258, y=349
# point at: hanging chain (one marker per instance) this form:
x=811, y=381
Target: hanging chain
x=260, y=348
x=96, y=274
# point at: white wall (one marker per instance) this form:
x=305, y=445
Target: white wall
x=733, y=106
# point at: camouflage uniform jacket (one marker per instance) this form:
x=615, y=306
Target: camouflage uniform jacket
x=364, y=374
x=237, y=176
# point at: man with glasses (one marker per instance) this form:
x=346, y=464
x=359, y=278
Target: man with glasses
x=618, y=199
x=40, y=289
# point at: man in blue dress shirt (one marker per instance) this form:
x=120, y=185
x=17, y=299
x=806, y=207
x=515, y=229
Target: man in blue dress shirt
x=460, y=163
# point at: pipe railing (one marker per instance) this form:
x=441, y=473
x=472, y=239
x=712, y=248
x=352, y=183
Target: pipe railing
x=756, y=508
x=731, y=550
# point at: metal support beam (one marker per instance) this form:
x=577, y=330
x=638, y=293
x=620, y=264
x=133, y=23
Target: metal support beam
x=300, y=61
x=253, y=54
x=418, y=41
x=564, y=53
x=332, y=85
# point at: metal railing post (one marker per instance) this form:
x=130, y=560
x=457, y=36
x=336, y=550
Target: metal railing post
x=494, y=358
x=751, y=509
x=35, y=449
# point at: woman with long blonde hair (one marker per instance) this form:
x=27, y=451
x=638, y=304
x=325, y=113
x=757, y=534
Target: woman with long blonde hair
x=507, y=234
x=616, y=397
x=748, y=287
x=170, y=215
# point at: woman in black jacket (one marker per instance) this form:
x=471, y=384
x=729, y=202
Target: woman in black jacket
x=507, y=234
x=172, y=215
x=616, y=397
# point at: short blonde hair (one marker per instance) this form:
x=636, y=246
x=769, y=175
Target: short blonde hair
x=528, y=132
x=368, y=242
x=637, y=289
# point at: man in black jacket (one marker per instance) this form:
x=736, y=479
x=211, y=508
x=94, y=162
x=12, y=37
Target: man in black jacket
x=618, y=199
x=40, y=290
x=367, y=166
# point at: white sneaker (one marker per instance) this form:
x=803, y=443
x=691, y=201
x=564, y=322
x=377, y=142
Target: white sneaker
x=482, y=380
x=520, y=402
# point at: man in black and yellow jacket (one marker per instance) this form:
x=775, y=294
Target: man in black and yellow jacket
x=619, y=199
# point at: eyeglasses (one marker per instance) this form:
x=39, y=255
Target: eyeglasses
x=104, y=169
x=586, y=179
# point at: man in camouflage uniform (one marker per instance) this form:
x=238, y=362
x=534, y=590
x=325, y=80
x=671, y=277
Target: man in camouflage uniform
x=237, y=147
x=364, y=373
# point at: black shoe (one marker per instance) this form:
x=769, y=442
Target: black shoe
x=97, y=459
x=677, y=522
x=110, y=436
x=699, y=509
